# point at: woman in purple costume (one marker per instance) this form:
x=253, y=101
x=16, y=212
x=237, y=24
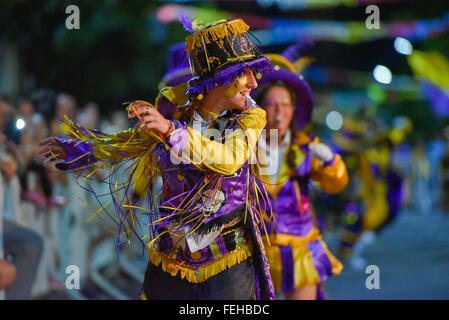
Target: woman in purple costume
x=299, y=259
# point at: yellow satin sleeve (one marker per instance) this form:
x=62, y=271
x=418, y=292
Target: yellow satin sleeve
x=332, y=178
x=228, y=155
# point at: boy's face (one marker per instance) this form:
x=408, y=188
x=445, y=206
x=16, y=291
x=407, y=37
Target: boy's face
x=235, y=94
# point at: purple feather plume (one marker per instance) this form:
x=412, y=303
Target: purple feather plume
x=226, y=76
x=294, y=52
x=186, y=22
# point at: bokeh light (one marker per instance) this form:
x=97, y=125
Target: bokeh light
x=168, y=13
x=334, y=120
x=20, y=124
x=376, y=92
x=403, y=46
x=382, y=74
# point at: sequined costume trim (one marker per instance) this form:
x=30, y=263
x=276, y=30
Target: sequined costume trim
x=200, y=272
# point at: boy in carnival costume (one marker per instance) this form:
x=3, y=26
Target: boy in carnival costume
x=204, y=241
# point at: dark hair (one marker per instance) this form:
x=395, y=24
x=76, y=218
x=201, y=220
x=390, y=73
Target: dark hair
x=5, y=98
x=23, y=98
x=44, y=101
x=264, y=89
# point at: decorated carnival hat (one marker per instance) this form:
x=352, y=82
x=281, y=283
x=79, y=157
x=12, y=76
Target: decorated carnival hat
x=219, y=54
x=177, y=74
x=287, y=69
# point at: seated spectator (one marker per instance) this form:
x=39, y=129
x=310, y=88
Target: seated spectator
x=23, y=249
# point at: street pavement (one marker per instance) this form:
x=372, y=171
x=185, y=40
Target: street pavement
x=412, y=255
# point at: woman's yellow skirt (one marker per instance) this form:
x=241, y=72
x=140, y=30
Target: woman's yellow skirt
x=299, y=261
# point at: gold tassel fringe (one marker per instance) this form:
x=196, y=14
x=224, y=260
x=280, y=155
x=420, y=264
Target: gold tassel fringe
x=202, y=273
x=214, y=33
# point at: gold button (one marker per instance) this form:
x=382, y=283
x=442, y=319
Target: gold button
x=195, y=255
x=180, y=177
x=231, y=189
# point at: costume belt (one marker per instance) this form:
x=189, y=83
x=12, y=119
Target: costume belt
x=228, y=249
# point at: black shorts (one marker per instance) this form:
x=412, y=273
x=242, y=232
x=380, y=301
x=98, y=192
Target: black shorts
x=235, y=283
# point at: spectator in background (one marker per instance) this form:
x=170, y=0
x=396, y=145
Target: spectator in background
x=8, y=165
x=7, y=274
x=8, y=168
x=44, y=101
x=119, y=121
x=33, y=131
x=5, y=106
x=22, y=247
x=65, y=106
x=71, y=240
x=89, y=117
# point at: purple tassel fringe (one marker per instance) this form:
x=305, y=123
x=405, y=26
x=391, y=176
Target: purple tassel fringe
x=186, y=22
x=227, y=75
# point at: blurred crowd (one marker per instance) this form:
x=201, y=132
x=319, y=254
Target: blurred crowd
x=41, y=214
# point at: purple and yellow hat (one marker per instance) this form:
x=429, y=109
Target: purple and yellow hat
x=219, y=53
x=287, y=68
x=178, y=66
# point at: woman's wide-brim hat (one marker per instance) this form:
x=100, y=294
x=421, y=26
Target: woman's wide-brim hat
x=178, y=73
x=178, y=66
x=219, y=53
x=286, y=72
